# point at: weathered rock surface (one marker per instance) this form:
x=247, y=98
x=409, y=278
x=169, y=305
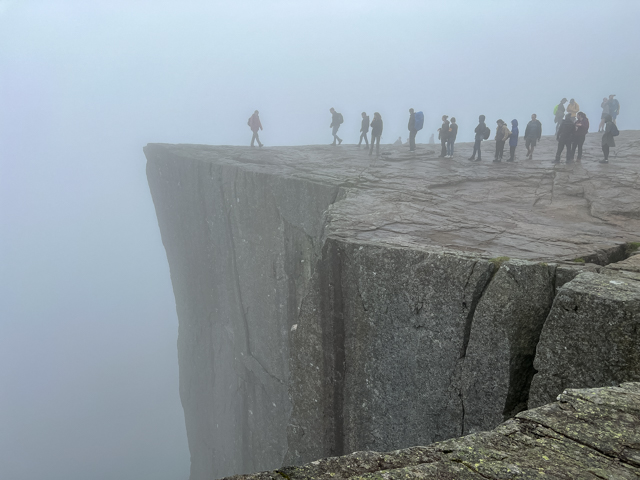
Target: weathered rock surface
x=331, y=302
x=586, y=434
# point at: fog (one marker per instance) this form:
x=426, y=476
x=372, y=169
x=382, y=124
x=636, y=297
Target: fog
x=88, y=363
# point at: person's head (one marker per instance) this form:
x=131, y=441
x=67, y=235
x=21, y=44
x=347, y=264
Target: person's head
x=453, y=119
x=581, y=115
x=332, y=110
x=533, y=116
x=256, y=112
x=567, y=116
x=411, y=110
x=364, y=114
x=611, y=97
x=514, y=122
x=604, y=99
x=500, y=122
x=481, y=118
x=377, y=115
x=444, y=117
x=608, y=118
x=563, y=101
x=572, y=101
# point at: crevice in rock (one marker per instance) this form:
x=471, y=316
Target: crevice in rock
x=475, y=299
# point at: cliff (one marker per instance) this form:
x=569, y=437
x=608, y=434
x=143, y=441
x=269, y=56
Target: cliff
x=331, y=302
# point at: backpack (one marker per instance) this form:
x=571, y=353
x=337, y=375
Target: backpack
x=614, y=130
x=419, y=120
x=555, y=110
x=340, y=119
x=487, y=133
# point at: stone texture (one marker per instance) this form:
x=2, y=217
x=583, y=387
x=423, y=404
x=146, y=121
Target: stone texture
x=591, y=337
x=331, y=302
x=586, y=434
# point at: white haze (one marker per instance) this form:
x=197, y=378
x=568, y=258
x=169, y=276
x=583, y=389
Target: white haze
x=88, y=364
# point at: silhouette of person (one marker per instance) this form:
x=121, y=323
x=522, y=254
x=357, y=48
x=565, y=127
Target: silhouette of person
x=255, y=125
x=364, y=129
x=376, y=133
x=443, y=135
x=532, y=135
x=412, y=130
x=565, y=138
x=336, y=121
x=480, y=131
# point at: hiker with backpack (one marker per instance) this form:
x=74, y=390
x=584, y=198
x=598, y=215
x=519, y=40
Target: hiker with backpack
x=416, y=122
x=502, y=134
x=364, y=128
x=582, y=128
x=614, y=108
x=336, y=121
x=605, y=112
x=255, y=125
x=564, y=136
x=451, y=139
x=376, y=133
x=482, y=133
x=610, y=131
x=443, y=135
x=532, y=135
x=513, y=140
x=558, y=112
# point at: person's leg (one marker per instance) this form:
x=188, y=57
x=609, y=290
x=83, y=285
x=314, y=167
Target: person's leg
x=580, y=144
x=559, y=151
x=479, y=149
x=366, y=140
x=605, y=150
x=475, y=149
x=453, y=142
x=443, y=147
x=360, y=142
x=377, y=145
x=339, y=139
x=512, y=153
x=412, y=140
x=257, y=138
x=449, y=148
x=253, y=138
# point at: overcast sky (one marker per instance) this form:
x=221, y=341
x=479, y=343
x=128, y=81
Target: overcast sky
x=88, y=364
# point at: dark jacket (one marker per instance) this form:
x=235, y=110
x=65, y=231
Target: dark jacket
x=533, y=130
x=614, y=106
x=607, y=138
x=254, y=123
x=480, y=129
x=376, y=127
x=412, y=122
x=335, y=119
x=582, y=127
x=453, y=132
x=444, y=130
x=566, y=130
x=365, y=125
x=559, y=113
x=513, y=139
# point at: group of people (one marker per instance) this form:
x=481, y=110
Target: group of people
x=572, y=126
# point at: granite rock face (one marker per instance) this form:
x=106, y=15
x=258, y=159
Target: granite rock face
x=331, y=302
x=586, y=434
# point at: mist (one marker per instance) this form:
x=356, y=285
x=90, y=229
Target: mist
x=88, y=363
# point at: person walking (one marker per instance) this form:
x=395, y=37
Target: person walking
x=565, y=137
x=559, y=113
x=605, y=112
x=610, y=131
x=336, y=121
x=513, y=140
x=502, y=134
x=614, y=108
x=376, y=133
x=451, y=139
x=364, y=129
x=532, y=135
x=481, y=134
x=255, y=125
x=412, y=130
x=573, y=108
x=582, y=128
x=443, y=135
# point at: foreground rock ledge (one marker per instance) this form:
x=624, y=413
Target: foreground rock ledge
x=586, y=434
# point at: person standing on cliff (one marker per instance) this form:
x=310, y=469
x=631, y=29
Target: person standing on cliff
x=502, y=135
x=443, y=135
x=412, y=130
x=614, y=108
x=482, y=133
x=573, y=108
x=565, y=134
x=336, y=121
x=453, y=133
x=582, y=128
x=532, y=134
x=255, y=125
x=364, y=129
x=610, y=131
x=376, y=133
x=559, y=113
